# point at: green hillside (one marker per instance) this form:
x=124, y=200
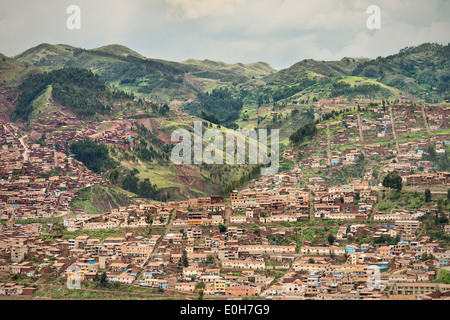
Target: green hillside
x=423, y=71
x=47, y=55
x=119, y=50
x=314, y=68
x=11, y=70
x=78, y=89
x=111, y=63
x=158, y=80
x=236, y=73
x=420, y=72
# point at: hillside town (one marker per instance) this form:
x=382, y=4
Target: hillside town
x=377, y=136
x=272, y=239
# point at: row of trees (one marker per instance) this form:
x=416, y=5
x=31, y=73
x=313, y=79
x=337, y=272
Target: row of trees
x=159, y=81
x=220, y=106
x=243, y=179
x=306, y=131
x=82, y=102
x=143, y=188
x=94, y=155
x=288, y=91
x=79, y=89
x=442, y=162
x=343, y=89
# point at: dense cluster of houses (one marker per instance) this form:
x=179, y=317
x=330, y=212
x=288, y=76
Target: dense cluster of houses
x=362, y=276
x=63, y=130
x=371, y=133
x=236, y=261
x=36, y=181
x=252, y=244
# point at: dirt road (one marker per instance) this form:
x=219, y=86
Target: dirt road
x=26, y=151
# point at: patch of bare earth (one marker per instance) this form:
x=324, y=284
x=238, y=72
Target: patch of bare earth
x=189, y=176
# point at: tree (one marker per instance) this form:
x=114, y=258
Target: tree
x=432, y=151
x=199, y=287
x=210, y=259
x=439, y=211
x=164, y=109
x=57, y=229
x=330, y=239
x=149, y=221
x=95, y=156
x=448, y=194
x=130, y=182
x=184, y=259
x=427, y=195
x=222, y=228
x=146, y=189
x=104, y=279
x=180, y=266
x=306, y=131
x=200, y=294
x=393, y=181
x=219, y=106
x=113, y=175
x=426, y=257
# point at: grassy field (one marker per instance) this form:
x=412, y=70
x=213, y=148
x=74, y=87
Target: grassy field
x=444, y=277
x=56, y=288
x=11, y=70
x=40, y=109
x=98, y=199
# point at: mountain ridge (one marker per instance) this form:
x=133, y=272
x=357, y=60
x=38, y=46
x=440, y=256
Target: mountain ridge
x=423, y=70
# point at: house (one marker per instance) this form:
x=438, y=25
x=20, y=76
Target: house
x=241, y=291
x=185, y=286
x=351, y=248
x=189, y=272
x=385, y=250
x=121, y=278
x=312, y=250
x=219, y=286
x=243, y=264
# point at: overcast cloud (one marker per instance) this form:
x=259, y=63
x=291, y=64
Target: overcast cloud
x=280, y=32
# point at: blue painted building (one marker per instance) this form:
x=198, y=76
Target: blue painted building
x=364, y=247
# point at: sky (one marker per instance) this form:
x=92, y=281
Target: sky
x=279, y=32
